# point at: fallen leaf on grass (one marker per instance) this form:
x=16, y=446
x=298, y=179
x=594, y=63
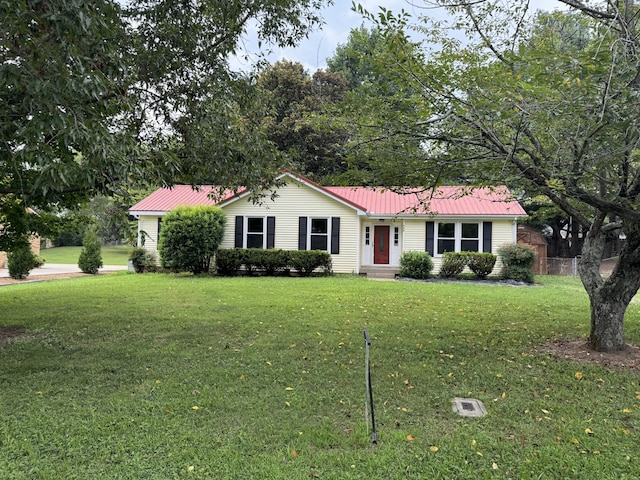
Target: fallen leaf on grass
x=288, y=389
x=294, y=454
x=433, y=449
x=578, y=375
x=195, y=407
x=411, y=438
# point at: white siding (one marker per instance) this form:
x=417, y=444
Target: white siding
x=149, y=225
x=297, y=200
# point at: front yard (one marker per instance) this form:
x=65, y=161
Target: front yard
x=174, y=377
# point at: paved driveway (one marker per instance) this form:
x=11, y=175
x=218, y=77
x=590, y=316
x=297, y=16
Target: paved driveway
x=61, y=269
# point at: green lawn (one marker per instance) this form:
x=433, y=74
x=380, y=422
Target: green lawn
x=118, y=255
x=176, y=377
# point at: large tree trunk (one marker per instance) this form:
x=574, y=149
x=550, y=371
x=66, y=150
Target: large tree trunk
x=609, y=298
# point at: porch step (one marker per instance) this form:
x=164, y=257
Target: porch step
x=379, y=272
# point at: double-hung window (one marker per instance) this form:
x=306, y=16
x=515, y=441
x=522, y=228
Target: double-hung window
x=469, y=237
x=256, y=232
x=319, y=235
x=457, y=237
x=446, y=237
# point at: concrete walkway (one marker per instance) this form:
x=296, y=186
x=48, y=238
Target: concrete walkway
x=61, y=269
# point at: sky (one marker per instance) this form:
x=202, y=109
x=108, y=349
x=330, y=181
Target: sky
x=340, y=19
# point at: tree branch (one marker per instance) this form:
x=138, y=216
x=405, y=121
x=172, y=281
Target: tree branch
x=597, y=14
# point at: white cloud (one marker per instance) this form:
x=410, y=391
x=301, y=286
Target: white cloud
x=313, y=52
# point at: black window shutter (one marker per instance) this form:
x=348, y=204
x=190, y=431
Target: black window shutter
x=302, y=233
x=239, y=234
x=430, y=238
x=487, y=231
x=271, y=232
x=335, y=235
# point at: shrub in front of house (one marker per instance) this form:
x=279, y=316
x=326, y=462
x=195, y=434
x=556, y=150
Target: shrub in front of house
x=21, y=261
x=142, y=260
x=271, y=261
x=416, y=265
x=90, y=259
x=453, y=264
x=517, y=262
x=481, y=264
x=190, y=237
x=229, y=260
x=254, y=258
x=305, y=262
x=274, y=261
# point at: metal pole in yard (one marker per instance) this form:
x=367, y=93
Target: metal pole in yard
x=369, y=393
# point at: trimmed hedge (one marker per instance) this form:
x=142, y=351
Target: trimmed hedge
x=306, y=261
x=453, y=263
x=481, y=264
x=416, y=265
x=229, y=261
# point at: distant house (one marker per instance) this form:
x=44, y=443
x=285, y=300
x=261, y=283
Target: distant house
x=364, y=229
x=35, y=248
x=34, y=240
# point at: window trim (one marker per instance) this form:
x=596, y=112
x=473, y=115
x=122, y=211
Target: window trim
x=246, y=232
x=242, y=226
x=326, y=235
x=457, y=236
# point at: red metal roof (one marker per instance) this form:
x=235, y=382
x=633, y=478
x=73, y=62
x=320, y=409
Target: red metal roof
x=445, y=201
x=165, y=199
x=375, y=201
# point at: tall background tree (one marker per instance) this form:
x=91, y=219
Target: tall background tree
x=369, y=61
x=97, y=95
x=294, y=98
x=545, y=103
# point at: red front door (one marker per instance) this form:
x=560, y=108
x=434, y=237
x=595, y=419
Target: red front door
x=381, y=244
